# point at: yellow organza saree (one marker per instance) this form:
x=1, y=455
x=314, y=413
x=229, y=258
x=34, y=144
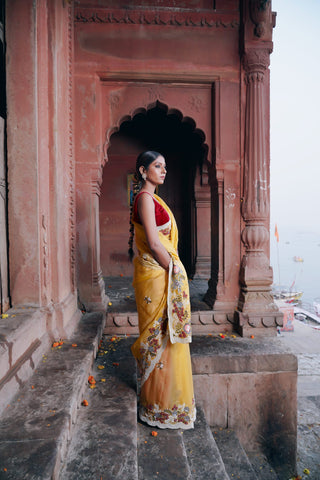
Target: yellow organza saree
x=162, y=349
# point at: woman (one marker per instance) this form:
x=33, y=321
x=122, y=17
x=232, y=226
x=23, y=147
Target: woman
x=162, y=297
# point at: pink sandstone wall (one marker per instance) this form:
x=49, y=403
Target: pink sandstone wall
x=117, y=70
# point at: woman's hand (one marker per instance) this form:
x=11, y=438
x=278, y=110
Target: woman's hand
x=176, y=269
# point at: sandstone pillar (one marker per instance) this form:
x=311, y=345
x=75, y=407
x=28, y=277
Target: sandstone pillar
x=4, y=293
x=203, y=225
x=256, y=310
x=90, y=280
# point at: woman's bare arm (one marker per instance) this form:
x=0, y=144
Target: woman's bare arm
x=146, y=210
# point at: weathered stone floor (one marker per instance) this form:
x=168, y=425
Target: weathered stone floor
x=37, y=428
x=121, y=294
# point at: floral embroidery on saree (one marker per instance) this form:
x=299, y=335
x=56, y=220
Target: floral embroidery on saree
x=179, y=312
x=178, y=416
x=165, y=229
x=150, y=352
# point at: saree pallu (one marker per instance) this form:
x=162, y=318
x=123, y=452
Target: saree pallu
x=162, y=349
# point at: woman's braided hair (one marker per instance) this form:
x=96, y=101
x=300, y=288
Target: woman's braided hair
x=143, y=160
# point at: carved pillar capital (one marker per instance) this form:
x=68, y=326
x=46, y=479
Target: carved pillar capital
x=256, y=61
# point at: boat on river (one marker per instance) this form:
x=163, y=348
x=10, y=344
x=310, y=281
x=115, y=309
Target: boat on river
x=286, y=295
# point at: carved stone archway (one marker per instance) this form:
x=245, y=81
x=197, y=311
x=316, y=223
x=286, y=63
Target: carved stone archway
x=186, y=189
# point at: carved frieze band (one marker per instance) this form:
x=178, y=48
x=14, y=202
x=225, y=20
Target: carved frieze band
x=167, y=18
x=71, y=165
x=45, y=256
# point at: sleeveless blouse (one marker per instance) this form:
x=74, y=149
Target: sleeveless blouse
x=163, y=221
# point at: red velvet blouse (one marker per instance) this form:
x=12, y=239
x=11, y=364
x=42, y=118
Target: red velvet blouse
x=162, y=216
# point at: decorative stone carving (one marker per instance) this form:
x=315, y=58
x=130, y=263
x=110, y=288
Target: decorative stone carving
x=256, y=61
x=169, y=18
x=113, y=100
x=71, y=163
x=45, y=254
x=155, y=93
x=260, y=13
x=196, y=103
x=230, y=196
x=2, y=188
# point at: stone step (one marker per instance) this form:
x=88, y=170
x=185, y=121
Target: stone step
x=162, y=457
x=262, y=467
x=234, y=457
x=37, y=425
x=203, y=453
x=104, y=441
x=179, y=454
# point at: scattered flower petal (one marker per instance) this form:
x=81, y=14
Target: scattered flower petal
x=121, y=274
x=5, y=315
x=103, y=379
x=74, y=345
x=55, y=344
x=91, y=380
x=32, y=386
x=251, y=336
x=85, y=403
x=306, y=471
x=110, y=303
x=115, y=364
x=101, y=367
x=221, y=335
x=154, y=434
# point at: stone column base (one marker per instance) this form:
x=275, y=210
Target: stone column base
x=203, y=267
x=256, y=323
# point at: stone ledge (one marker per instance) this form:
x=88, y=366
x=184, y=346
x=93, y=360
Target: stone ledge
x=240, y=355
x=26, y=333
x=249, y=385
x=39, y=421
x=23, y=341
x=203, y=322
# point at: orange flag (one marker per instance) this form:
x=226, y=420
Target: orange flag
x=276, y=233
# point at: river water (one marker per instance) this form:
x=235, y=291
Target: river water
x=305, y=275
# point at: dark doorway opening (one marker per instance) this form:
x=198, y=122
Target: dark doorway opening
x=183, y=147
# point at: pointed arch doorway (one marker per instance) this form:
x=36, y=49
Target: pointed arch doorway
x=184, y=148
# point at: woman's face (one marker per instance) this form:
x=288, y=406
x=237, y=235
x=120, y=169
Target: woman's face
x=156, y=172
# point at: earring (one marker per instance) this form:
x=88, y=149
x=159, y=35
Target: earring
x=144, y=176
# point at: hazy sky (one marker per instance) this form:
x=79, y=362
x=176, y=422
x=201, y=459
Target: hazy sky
x=295, y=112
